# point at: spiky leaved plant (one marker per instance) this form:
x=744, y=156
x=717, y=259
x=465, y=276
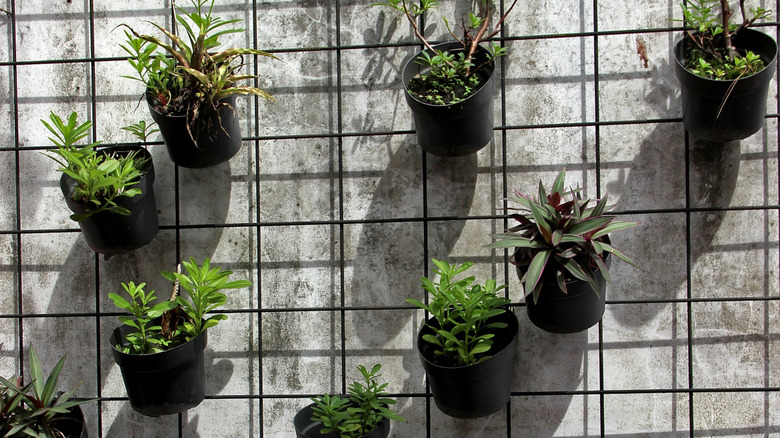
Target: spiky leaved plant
x=187, y=77
x=560, y=236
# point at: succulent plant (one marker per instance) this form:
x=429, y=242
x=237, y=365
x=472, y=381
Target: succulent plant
x=561, y=235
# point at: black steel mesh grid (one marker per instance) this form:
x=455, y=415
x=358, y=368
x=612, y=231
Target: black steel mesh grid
x=341, y=221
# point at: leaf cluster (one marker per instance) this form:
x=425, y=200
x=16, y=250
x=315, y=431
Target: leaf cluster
x=31, y=410
x=366, y=406
x=141, y=130
x=186, y=76
x=709, y=49
x=462, y=310
x=562, y=236
x=444, y=70
x=202, y=285
x=100, y=178
x=148, y=337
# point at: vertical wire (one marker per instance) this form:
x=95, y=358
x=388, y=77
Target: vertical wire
x=426, y=254
x=688, y=267
x=597, y=152
x=502, y=97
x=340, y=152
x=258, y=252
x=17, y=156
x=93, y=101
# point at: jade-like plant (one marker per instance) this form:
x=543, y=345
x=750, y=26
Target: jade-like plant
x=188, y=77
x=183, y=317
x=464, y=314
x=360, y=412
x=451, y=77
x=709, y=51
x=36, y=409
x=101, y=178
x=560, y=236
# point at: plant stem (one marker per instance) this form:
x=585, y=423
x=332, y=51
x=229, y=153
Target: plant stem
x=725, y=15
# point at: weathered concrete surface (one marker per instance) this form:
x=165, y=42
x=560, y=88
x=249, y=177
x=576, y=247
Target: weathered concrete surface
x=316, y=220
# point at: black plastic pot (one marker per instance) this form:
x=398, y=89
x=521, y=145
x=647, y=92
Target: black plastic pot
x=162, y=383
x=72, y=423
x=111, y=233
x=212, y=148
x=745, y=105
x=572, y=312
x=305, y=427
x=478, y=390
x=458, y=129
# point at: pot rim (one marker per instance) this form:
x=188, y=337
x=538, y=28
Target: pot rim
x=678, y=53
x=410, y=63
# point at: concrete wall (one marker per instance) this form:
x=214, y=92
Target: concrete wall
x=331, y=203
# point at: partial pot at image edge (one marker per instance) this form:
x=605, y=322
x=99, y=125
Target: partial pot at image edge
x=744, y=110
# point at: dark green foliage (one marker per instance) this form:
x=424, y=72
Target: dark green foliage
x=462, y=311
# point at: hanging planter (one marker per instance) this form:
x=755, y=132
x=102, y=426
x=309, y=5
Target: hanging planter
x=363, y=413
x=562, y=255
x=460, y=128
x=159, y=348
x=476, y=390
x=577, y=310
x=724, y=70
x=163, y=383
x=467, y=347
x=726, y=110
x=191, y=88
x=209, y=147
x=449, y=86
x=108, y=232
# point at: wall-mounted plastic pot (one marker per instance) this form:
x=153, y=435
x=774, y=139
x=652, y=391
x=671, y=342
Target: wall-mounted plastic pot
x=457, y=129
x=71, y=423
x=743, y=111
x=577, y=310
x=162, y=383
x=215, y=146
x=111, y=233
x=305, y=427
x=477, y=390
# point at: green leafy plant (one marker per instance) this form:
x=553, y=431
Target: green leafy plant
x=100, y=178
x=35, y=409
x=709, y=51
x=366, y=406
x=186, y=77
x=451, y=77
x=141, y=130
x=560, y=236
x=202, y=285
x=463, y=313
x=149, y=337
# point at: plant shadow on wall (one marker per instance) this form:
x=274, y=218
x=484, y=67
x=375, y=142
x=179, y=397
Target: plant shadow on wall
x=204, y=198
x=657, y=172
x=387, y=257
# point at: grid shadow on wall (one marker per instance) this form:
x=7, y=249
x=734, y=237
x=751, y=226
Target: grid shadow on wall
x=334, y=213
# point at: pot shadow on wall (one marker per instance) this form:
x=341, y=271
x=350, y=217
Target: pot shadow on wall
x=388, y=256
x=204, y=198
x=657, y=174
